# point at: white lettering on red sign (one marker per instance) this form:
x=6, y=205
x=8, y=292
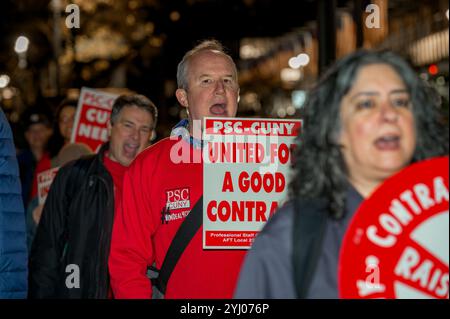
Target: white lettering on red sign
x=403, y=209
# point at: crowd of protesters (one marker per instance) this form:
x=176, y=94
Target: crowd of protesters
x=368, y=117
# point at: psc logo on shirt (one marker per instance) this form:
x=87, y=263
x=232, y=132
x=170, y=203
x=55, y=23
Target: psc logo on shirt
x=179, y=198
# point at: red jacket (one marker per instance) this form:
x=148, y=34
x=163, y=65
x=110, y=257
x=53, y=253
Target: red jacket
x=142, y=232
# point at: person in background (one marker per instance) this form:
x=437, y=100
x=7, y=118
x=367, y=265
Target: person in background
x=68, y=153
x=62, y=131
x=369, y=117
x=77, y=218
x=13, y=251
x=38, y=130
x=207, y=86
x=65, y=117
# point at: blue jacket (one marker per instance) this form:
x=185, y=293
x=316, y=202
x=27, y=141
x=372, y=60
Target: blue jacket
x=13, y=249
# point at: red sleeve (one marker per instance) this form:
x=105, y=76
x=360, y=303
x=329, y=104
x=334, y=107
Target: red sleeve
x=131, y=246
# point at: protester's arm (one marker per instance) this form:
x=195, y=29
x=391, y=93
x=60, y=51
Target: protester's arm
x=131, y=244
x=48, y=244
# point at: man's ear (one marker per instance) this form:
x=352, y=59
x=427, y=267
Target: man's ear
x=182, y=97
x=152, y=136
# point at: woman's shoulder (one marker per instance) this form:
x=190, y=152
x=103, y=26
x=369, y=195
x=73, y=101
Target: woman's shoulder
x=281, y=221
x=280, y=225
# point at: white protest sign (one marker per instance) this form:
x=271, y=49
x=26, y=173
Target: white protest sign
x=246, y=174
x=45, y=180
x=93, y=113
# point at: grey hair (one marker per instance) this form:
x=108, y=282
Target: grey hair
x=206, y=45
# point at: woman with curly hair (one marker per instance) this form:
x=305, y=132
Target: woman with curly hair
x=369, y=117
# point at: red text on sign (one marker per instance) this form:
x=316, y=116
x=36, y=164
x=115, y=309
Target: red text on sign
x=239, y=211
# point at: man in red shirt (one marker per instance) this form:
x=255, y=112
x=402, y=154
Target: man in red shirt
x=69, y=255
x=164, y=183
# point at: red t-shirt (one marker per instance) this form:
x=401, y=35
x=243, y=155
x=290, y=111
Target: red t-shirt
x=117, y=171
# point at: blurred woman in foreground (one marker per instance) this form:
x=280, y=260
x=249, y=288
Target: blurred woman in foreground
x=369, y=117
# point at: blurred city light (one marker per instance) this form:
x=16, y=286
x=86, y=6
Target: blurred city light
x=4, y=81
x=290, y=110
x=8, y=93
x=433, y=69
x=303, y=58
x=174, y=16
x=298, y=61
x=294, y=63
x=298, y=98
x=21, y=45
x=281, y=112
x=290, y=75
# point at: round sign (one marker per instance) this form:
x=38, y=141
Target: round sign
x=397, y=244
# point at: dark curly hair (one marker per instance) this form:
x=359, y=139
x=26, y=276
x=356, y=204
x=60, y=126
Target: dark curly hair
x=319, y=167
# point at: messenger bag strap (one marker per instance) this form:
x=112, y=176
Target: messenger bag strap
x=308, y=234
x=182, y=238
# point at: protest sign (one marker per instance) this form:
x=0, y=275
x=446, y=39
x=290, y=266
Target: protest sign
x=45, y=180
x=397, y=244
x=93, y=113
x=246, y=174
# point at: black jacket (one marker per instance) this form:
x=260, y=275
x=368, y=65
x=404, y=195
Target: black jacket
x=74, y=234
